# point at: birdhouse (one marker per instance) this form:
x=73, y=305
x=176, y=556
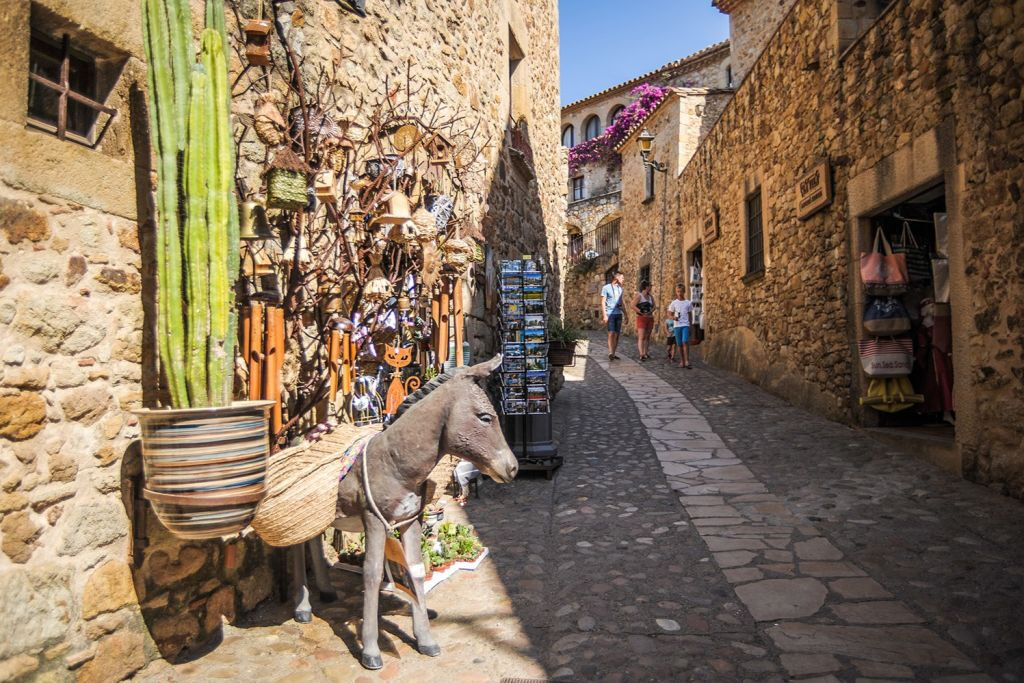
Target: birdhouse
x=326, y=187
x=440, y=149
x=396, y=209
x=286, y=182
x=257, y=41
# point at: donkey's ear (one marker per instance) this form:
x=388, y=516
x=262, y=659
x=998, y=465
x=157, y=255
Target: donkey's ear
x=482, y=370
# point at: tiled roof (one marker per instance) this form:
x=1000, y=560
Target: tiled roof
x=711, y=49
x=673, y=93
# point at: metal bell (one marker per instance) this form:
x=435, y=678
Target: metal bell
x=252, y=222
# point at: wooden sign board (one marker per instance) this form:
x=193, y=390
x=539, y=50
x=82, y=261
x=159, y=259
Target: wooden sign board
x=814, y=191
x=711, y=225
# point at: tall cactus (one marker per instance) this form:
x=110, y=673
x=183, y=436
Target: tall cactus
x=190, y=114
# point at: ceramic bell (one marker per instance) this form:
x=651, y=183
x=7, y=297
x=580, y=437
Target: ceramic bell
x=252, y=221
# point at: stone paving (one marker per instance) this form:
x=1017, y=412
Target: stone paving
x=702, y=530
x=924, y=571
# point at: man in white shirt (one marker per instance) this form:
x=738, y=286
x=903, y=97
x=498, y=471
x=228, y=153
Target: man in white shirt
x=681, y=310
x=612, y=311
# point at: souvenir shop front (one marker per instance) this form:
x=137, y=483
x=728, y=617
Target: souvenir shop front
x=905, y=327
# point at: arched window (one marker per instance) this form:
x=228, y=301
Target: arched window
x=592, y=128
x=568, y=136
x=615, y=114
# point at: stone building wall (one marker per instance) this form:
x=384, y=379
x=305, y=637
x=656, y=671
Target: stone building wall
x=94, y=595
x=583, y=284
x=678, y=126
x=752, y=23
x=930, y=93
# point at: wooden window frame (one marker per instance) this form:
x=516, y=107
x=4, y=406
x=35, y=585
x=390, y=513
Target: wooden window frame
x=586, y=127
x=755, y=261
x=65, y=93
x=577, y=183
x=571, y=130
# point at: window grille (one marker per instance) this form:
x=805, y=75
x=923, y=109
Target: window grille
x=755, y=234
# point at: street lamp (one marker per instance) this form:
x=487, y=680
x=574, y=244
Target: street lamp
x=646, y=142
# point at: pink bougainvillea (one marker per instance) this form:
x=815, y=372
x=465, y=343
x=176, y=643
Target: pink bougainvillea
x=646, y=98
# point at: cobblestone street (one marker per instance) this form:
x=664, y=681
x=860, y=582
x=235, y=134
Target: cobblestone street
x=700, y=529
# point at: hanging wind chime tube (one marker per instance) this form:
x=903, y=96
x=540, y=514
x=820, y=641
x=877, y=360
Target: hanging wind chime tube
x=333, y=358
x=273, y=355
x=457, y=311
x=444, y=307
x=255, y=356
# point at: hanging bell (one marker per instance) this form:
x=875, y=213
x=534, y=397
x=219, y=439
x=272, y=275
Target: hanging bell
x=252, y=222
x=396, y=210
x=403, y=303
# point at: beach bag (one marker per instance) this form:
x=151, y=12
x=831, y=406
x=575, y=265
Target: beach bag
x=883, y=272
x=919, y=267
x=886, y=316
x=886, y=356
x=940, y=279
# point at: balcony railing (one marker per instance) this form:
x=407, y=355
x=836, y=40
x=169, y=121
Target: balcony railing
x=598, y=243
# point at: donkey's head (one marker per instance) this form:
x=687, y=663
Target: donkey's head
x=472, y=430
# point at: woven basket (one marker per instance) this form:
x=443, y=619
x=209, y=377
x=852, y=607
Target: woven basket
x=286, y=190
x=302, y=488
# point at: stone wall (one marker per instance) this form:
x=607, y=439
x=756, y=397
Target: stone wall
x=95, y=596
x=678, y=126
x=928, y=94
x=583, y=285
x=752, y=23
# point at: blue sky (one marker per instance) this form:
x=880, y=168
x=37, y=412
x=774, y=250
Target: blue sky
x=605, y=42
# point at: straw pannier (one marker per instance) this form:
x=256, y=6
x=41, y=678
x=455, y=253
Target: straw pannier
x=302, y=488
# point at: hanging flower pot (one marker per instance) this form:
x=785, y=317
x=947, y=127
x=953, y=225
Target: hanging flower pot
x=205, y=468
x=286, y=182
x=257, y=41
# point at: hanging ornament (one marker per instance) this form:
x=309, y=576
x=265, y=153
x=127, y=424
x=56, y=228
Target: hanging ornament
x=378, y=288
x=268, y=121
x=405, y=138
x=286, y=184
x=458, y=254
x=425, y=225
x=257, y=41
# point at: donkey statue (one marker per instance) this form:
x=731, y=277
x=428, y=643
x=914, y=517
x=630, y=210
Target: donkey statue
x=451, y=414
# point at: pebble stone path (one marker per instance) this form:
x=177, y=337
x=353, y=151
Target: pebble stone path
x=770, y=487
x=700, y=530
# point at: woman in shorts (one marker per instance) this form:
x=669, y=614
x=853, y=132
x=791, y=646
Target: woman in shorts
x=643, y=306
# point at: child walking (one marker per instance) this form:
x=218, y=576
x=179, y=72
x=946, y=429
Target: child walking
x=681, y=312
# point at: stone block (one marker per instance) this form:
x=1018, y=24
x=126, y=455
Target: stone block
x=86, y=404
x=906, y=645
x=75, y=270
x=175, y=632
x=107, y=589
x=19, y=535
x=22, y=415
x=164, y=572
x=92, y=526
x=9, y=502
x=221, y=604
x=119, y=280
x=20, y=665
x=117, y=657
x=31, y=377
x=38, y=600
x=20, y=222
x=782, y=598
x=63, y=467
x=881, y=612
x=256, y=587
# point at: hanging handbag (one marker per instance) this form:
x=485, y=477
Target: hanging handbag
x=883, y=272
x=919, y=267
x=886, y=357
x=940, y=279
x=886, y=316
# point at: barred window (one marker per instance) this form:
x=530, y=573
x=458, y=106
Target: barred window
x=755, y=234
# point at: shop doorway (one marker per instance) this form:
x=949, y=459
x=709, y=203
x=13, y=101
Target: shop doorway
x=917, y=227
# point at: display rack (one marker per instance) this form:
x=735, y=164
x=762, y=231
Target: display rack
x=525, y=398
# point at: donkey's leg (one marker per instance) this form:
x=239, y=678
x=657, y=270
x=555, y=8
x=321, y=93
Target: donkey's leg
x=373, y=569
x=411, y=539
x=320, y=569
x=300, y=592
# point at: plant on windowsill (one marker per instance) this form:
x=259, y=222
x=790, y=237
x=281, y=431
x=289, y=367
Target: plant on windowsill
x=587, y=263
x=204, y=457
x=562, y=341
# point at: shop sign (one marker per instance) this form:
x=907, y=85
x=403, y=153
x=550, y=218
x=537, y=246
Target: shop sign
x=814, y=191
x=711, y=225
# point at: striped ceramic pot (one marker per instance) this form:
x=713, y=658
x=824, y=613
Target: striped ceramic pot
x=205, y=468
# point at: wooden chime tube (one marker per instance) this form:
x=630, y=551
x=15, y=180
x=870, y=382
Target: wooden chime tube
x=273, y=354
x=457, y=319
x=435, y=323
x=348, y=354
x=443, y=322
x=333, y=353
x=254, y=357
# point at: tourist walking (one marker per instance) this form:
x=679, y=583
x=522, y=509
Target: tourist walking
x=681, y=311
x=643, y=305
x=612, y=311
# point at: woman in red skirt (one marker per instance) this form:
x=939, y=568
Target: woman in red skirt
x=643, y=306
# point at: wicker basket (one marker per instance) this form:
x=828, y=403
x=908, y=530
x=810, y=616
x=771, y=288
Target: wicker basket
x=302, y=488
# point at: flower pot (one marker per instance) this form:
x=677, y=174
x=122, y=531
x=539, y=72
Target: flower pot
x=205, y=468
x=561, y=354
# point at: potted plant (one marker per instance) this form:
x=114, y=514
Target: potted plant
x=204, y=457
x=562, y=340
